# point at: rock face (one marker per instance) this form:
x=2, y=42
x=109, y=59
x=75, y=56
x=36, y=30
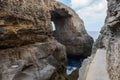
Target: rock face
x=70, y=31
x=109, y=40
x=84, y=68
x=28, y=50
x=33, y=62
x=22, y=22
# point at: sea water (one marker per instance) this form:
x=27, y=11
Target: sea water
x=74, y=62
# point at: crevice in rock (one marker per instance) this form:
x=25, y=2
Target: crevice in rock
x=74, y=63
x=26, y=67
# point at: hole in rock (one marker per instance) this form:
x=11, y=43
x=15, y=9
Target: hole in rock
x=93, y=23
x=53, y=26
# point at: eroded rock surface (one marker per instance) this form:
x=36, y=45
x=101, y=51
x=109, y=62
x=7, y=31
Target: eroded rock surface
x=70, y=31
x=28, y=50
x=109, y=40
x=23, y=22
x=33, y=62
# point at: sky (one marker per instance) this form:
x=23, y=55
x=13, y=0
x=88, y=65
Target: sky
x=92, y=12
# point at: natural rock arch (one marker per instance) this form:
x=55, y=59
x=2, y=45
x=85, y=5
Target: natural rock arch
x=70, y=30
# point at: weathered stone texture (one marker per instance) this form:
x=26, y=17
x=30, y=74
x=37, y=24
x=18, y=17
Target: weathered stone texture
x=110, y=39
x=36, y=61
x=28, y=50
x=70, y=31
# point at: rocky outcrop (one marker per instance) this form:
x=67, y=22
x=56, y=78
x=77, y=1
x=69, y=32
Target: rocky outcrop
x=22, y=22
x=18, y=19
x=28, y=50
x=109, y=40
x=84, y=68
x=33, y=62
x=70, y=31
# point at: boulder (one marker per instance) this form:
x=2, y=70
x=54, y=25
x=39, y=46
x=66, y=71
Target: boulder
x=33, y=62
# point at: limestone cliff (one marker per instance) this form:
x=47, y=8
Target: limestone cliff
x=28, y=49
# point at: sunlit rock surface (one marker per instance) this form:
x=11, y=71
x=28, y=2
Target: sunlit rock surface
x=27, y=49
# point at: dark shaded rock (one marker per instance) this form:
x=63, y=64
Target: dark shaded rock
x=70, y=31
x=74, y=75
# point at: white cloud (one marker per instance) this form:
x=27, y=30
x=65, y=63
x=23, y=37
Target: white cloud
x=80, y=3
x=94, y=14
x=93, y=10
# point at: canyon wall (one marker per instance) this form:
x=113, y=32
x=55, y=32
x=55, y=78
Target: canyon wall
x=110, y=39
x=109, y=42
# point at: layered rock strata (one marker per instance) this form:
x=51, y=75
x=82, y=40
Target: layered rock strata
x=110, y=39
x=27, y=49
